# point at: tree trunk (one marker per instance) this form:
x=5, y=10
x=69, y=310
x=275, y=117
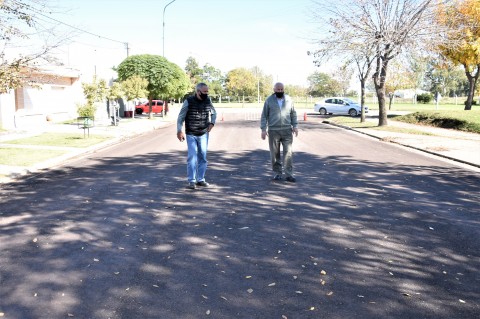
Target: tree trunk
x=472, y=84
x=362, y=99
x=379, y=80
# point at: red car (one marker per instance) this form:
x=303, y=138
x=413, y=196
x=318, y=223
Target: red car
x=157, y=107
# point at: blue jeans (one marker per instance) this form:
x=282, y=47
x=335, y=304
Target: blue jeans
x=197, y=157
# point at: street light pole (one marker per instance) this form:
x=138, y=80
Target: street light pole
x=163, y=44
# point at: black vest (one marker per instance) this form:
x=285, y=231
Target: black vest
x=198, y=116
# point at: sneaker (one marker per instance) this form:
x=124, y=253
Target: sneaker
x=203, y=184
x=277, y=177
x=191, y=185
x=290, y=179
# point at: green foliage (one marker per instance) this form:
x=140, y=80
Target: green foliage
x=322, y=84
x=135, y=87
x=424, y=98
x=165, y=79
x=115, y=92
x=241, y=82
x=464, y=120
x=87, y=109
x=96, y=91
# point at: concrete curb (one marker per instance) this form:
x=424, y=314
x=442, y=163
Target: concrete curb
x=403, y=144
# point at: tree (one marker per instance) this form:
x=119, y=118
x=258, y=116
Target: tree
x=194, y=72
x=386, y=27
x=462, y=18
x=241, y=82
x=135, y=87
x=322, y=84
x=165, y=79
x=399, y=78
x=94, y=92
x=20, y=53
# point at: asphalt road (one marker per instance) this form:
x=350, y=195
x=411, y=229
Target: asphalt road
x=370, y=230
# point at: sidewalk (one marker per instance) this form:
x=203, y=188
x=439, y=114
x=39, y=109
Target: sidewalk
x=461, y=147
x=126, y=129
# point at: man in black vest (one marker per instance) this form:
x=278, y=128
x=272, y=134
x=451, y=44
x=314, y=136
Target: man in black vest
x=199, y=116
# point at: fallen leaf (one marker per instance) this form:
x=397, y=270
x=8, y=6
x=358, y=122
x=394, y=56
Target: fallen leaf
x=35, y=240
x=207, y=312
x=323, y=272
x=35, y=294
x=462, y=301
x=250, y=290
x=312, y=308
x=431, y=228
x=204, y=297
x=224, y=298
x=406, y=295
x=323, y=282
x=330, y=293
x=295, y=277
x=127, y=289
x=360, y=296
x=156, y=286
x=298, y=292
x=248, y=277
x=116, y=273
x=391, y=273
x=284, y=317
x=271, y=285
x=244, y=228
x=95, y=259
x=70, y=315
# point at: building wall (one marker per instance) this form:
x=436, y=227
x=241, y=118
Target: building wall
x=54, y=100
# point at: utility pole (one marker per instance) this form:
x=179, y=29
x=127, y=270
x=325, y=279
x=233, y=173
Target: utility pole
x=163, y=44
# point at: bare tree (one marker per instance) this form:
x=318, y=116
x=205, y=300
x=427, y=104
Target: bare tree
x=379, y=30
x=27, y=38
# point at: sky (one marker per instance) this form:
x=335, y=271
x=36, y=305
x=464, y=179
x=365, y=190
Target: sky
x=274, y=35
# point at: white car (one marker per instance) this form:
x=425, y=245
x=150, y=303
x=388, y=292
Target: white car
x=338, y=105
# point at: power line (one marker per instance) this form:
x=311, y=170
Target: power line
x=81, y=30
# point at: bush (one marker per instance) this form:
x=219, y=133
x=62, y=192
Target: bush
x=86, y=110
x=424, y=98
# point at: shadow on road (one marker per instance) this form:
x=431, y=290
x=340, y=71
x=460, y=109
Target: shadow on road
x=122, y=238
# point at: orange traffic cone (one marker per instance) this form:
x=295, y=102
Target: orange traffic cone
x=305, y=116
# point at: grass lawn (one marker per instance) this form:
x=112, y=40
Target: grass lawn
x=60, y=139
x=461, y=120
x=355, y=123
x=26, y=157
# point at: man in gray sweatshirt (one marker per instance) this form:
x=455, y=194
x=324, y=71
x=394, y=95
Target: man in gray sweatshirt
x=279, y=122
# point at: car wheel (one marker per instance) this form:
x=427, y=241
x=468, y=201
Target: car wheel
x=352, y=112
x=138, y=111
x=322, y=111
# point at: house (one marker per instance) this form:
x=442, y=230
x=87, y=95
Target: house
x=408, y=93
x=52, y=98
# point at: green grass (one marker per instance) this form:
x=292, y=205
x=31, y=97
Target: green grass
x=468, y=121
x=60, y=139
x=26, y=157
x=354, y=122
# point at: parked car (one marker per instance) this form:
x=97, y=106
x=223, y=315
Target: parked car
x=157, y=107
x=338, y=105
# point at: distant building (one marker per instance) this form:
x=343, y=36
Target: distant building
x=408, y=93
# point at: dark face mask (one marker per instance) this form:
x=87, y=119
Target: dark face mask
x=279, y=94
x=203, y=96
